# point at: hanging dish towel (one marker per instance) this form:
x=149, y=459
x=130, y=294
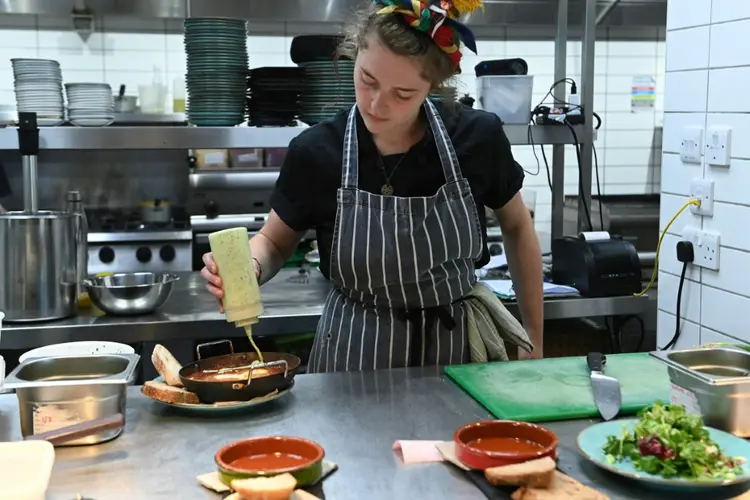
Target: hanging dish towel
x=490, y=325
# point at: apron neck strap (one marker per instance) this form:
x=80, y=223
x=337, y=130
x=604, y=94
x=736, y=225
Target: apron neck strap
x=448, y=158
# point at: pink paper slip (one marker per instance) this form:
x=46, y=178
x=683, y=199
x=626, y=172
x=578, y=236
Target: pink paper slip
x=415, y=452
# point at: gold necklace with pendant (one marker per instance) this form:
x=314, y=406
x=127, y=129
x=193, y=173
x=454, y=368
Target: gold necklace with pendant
x=387, y=188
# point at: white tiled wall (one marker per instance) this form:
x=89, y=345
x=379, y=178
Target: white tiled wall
x=628, y=146
x=708, y=65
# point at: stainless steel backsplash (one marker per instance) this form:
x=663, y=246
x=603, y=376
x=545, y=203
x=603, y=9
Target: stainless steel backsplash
x=106, y=179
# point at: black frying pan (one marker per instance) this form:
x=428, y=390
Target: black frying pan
x=230, y=377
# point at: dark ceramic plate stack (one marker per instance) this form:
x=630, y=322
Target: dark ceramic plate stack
x=217, y=65
x=273, y=96
x=329, y=88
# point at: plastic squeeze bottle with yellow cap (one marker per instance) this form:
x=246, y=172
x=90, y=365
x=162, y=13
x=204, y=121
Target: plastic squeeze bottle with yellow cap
x=241, y=302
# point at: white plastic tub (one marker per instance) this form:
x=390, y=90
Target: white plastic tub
x=509, y=97
x=25, y=469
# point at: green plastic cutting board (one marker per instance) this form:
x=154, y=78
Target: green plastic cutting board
x=559, y=388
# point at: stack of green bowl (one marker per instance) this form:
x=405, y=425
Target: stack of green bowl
x=217, y=67
x=329, y=88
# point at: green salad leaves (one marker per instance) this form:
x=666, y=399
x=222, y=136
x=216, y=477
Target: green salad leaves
x=669, y=443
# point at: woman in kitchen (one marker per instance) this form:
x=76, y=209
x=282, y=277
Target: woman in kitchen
x=396, y=189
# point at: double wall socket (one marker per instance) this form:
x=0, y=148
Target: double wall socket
x=703, y=190
x=706, y=246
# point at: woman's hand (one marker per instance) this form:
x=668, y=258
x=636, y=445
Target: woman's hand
x=210, y=273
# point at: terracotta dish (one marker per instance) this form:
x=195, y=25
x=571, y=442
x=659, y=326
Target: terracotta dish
x=271, y=456
x=494, y=443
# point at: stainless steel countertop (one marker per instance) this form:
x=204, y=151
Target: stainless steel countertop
x=355, y=416
x=290, y=307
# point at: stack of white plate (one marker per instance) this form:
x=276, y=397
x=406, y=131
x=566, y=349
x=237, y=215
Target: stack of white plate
x=38, y=86
x=90, y=104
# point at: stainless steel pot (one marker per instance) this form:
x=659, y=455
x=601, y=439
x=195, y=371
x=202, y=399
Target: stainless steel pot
x=38, y=269
x=155, y=211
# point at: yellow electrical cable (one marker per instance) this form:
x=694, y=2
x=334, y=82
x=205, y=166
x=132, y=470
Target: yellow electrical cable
x=695, y=202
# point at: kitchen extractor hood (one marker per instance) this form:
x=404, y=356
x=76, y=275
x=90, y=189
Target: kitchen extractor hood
x=626, y=13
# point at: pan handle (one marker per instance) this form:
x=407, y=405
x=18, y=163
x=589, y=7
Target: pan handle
x=216, y=342
x=278, y=362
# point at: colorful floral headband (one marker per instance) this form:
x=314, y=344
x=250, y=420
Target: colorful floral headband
x=437, y=18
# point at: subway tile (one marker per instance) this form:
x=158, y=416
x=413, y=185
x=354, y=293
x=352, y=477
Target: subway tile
x=140, y=61
x=727, y=90
x=688, y=13
x=134, y=42
x=727, y=277
x=665, y=330
x=722, y=312
x=627, y=121
x=676, y=175
x=730, y=45
x=688, y=49
x=730, y=221
x=690, y=306
x=686, y=91
x=729, y=10
x=18, y=38
x=708, y=335
x=670, y=205
x=637, y=155
x=730, y=184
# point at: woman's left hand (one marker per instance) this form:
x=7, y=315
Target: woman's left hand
x=535, y=354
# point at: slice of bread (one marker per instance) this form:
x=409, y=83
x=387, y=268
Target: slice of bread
x=168, y=394
x=303, y=495
x=278, y=487
x=537, y=473
x=167, y=366
x=563, y=487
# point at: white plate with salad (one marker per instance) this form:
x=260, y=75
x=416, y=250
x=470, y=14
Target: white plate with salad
x=667, y=447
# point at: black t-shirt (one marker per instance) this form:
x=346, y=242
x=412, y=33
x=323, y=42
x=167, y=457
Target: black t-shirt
x=305, y=193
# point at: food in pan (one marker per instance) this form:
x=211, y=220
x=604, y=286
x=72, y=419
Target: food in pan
x=241, y=302
x=668, y=442
x=165, y=393
x=166, y=365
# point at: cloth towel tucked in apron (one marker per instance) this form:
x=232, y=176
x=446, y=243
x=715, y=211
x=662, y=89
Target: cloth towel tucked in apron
x=490, y=325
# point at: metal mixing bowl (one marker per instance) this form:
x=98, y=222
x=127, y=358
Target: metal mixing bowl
x=129, y=294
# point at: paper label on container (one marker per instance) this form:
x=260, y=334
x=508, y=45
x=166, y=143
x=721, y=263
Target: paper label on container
x=52, y=417
x=681, y=396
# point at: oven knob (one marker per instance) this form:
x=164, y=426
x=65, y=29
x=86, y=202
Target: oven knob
x=496, y=249
x=106, y=255
x=167, y=253
x=212, y=209
x=143, y=254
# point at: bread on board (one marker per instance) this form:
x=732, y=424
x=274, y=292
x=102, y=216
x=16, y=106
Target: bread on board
x=278, y=487
x=563, y=487
x=167, y=365
x=537, y=473
x=168, y=394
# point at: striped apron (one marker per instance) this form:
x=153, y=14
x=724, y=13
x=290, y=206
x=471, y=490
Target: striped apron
x=400, y=267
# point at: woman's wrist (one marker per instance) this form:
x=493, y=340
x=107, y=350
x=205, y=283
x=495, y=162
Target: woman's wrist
x=258, y=270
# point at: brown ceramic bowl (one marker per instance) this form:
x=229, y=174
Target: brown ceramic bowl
x=271, y=456
x=493, y=443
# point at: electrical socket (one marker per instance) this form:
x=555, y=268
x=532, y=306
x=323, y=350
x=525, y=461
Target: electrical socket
x=719, y=146
x=706, y=246
x=703, y=190
x=691, y=147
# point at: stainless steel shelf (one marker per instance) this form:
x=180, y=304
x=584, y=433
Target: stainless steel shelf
x=155, y=137
x=160, y=137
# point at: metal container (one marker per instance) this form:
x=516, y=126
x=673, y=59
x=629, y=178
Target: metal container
x=155, y=211
x=130, y=294
x=38, y=269
x=713, y=382
x=59, y=391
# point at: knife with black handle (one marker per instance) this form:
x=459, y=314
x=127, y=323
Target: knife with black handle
x=606, y=389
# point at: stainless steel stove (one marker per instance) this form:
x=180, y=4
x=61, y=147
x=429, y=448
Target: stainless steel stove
x=121, y=241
